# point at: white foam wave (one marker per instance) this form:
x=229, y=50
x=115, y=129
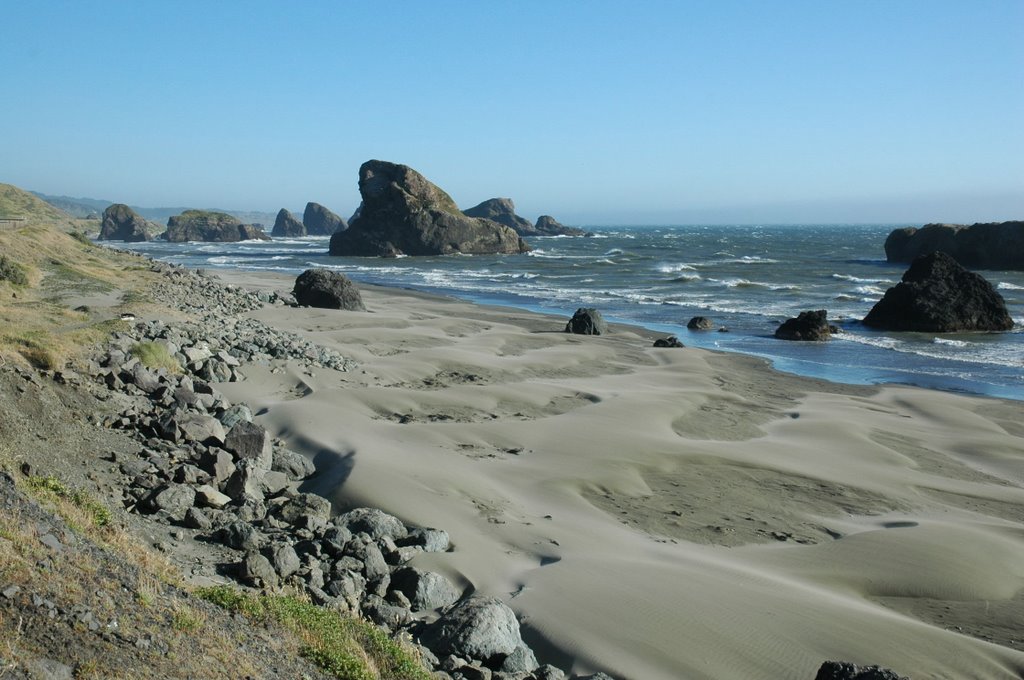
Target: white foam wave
x=1005, y=285
x=673, y=268
x=857, y=279
x=950, y=342
x=686, y=278
x=869, y=290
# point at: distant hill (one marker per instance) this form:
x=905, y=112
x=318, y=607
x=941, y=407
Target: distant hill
x=15, y=202
x=83, y=207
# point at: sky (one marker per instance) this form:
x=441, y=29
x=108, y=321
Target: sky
x=596, y=112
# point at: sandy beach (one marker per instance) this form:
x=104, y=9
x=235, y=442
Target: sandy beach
x=667, y=513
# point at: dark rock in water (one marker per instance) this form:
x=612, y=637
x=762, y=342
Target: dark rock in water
x=207, y=225
x=840, y=670
x=587, y=321
x=549, y=226
x=937, y=295
x=670, y=341
x=806, y=326
x=503, y=211
x=121, y=223
x=403, y=213
x=992, y=245
x=477, y=628
x=319, y=221
x=700, y=323
x=327, y=289
x=286, y=226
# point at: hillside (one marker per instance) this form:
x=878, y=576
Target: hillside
x=15, y=202
x=83, y=207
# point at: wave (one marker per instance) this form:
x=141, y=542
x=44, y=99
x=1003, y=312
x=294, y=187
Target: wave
x=686, y=278
x=950, y=342
x=857, y=279
x=1004, y=285
x=673, y=268
x=869, y=290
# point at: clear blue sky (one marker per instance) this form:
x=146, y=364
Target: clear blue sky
x=595, y=112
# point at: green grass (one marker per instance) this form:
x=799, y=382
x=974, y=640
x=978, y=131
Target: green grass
x=50, y=489
x=12, y=272
x=154, y=355
x=346, y=647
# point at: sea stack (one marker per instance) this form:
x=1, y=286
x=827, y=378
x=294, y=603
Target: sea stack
x=403, y=213
x=209, y=225
x=286, y=226
x=121, y=223
x=319, y=221
x=937, y=295
x=503, y=211
x=990, y=245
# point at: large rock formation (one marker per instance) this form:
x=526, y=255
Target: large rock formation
x=937, y=295
x=993, y=245
x=328, y=289
x=286, y=226
x=549, y=226
x=121, y=223
x=503, y=211
x=208, y=225
x=402, y=213
x=811, y=325
x=319, y=221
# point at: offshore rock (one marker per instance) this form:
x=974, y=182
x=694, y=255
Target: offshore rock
x=549, y=226
x=937, y=295
x=121, y=223
x=319, y=221
x=403, y=213
x=286, y=226
x=503, y=211
x=327, y=289
x=208, y=225
x=991, y=245
x=812, y=326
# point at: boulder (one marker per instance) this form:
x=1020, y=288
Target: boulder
x=670, y=341
x=207, y=225
x=240, y=536
x=587, y=321
x=319, y=221
x=991, y=245
x=404, y=213
x=502, y=211
x=700, y=323
x=806, y=326
x=327, y=289
x=201, y=428
x=477, y=628
x=937, y=295
x=258, y=571
x=287, y=226
x=294, y=465
x=549, y=226
x=303, y=506
x=377, y=523
x=173, y=499
x=250, y=441
x=121, y=223
x=425, y=589
x=840, y=670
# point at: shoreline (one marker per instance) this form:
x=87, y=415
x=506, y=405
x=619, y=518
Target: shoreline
x=565, y=466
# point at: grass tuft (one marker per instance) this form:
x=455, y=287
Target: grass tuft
x=154, y=355
x=12, y=272
x=95, y=514
x=346, y=647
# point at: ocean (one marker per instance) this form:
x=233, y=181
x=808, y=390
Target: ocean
x=745, y=278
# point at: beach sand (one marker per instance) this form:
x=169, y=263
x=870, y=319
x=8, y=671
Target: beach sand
x=667, y=513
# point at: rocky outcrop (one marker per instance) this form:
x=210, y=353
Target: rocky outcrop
x=208, y=225
x=503, y=211
x=700, y=323
x=549, y=226
x=937, y=295
x=121, y=223
x=812, y=326
x=587, y=321
x=841, y=670
x=286, y=226
x=992, y=245
x=403, y=213
x=327, y=289
x=319, y=221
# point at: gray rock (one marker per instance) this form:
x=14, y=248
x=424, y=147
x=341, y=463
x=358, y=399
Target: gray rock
x=476, y=628
x=121, y=223
x=548, y=672
x=208, y=225
x=374, y=565
x=425, y=590
x=209, y=497
x=374, y=522
x=241, y=536
x=305, y=505
x=294, y=465
x=385, y=614
x=201, y=428
x=587, y=321
x=285, y=560
x=195, y=518
x=335, y=539
x=839, y=670
x=273, y=482
x=549, y=226
x=670, y=341
x=319, y=221
x=250, y=441
x=521, y=660
x=993, y=245
x=807, y=326
x=429, y=540
x=502, y=211
x=220, y=464
x=258, y=571
x=235, y=414
x=700, y=323
x=327, y=289
x=174, y=499
x=247, y=480
x=286, y=226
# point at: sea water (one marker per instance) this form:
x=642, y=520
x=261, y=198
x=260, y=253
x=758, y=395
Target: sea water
x=745, y=278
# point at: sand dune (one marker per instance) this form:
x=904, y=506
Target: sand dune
x=669, y=513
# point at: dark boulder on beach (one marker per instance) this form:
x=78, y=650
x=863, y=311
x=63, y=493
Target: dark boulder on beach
x=841, y=670
x=700, y=323
x=938, y=295
x=549, y=226
x=991, y=245
x=587, y=321
x=811, y=325
x=502, y=211
x=403, y=213
x=670, y=341
x=121, y=223
x=319, y=221
x=327, y=289
x=286, y=226
x=208, y=225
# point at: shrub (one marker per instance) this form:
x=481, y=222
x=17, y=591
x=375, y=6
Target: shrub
x=13, y=272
